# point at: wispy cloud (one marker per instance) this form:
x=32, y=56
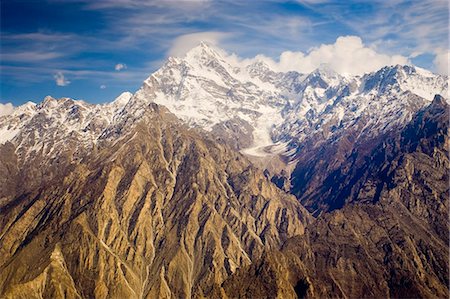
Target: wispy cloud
x=406, y=26
x=60, y=79
x=29, y=56
x=35, y=37
x=120, y=66
x=442, y=61
x=33, y=75
x=185, y=42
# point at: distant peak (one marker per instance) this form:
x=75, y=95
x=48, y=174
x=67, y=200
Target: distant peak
x=204, y=44
x=123, y=98
x=400, y=68
x=258, y=65
x=407, y=68
x=48, y=102
x=259, y=62
x=392, y=71
x=49, y=98
x=204, y=49
x=28, y=106
x=325, y=69
x=29, y=103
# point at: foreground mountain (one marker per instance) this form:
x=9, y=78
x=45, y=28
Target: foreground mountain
x=156, y=210
x=393, y=242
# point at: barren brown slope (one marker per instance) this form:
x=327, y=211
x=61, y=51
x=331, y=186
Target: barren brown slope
x=392, y=242
x=332, y=173
x=155, y=211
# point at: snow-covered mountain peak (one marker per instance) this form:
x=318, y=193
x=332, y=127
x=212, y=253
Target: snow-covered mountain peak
x=122, y=99
x=424, y=72
x=209, y=88
x=411, y=70
x=27, y=108
x=323, y=77
x=258, y=65
x=64, y=110
x=260, y=69
x=48, y=102
x=401, y=78
x=244, y=101
x=203, y=54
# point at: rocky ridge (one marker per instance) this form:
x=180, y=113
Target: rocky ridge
x=158, y=211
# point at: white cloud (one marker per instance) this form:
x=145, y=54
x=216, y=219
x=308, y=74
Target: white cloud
x=30, y=56
x=348, y=55
x=60, y=79
x=442, y=62
x=102, y=86
x=184, y=43
x=6, y=109
x=120, y=66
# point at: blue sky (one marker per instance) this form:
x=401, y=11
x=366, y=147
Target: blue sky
x=94, y=50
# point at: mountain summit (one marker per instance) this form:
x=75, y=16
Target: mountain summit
x=247, y=101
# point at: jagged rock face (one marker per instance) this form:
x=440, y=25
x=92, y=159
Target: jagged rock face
x=391, y=242
x=379, y=251
x=158, y=210
x=337, y=172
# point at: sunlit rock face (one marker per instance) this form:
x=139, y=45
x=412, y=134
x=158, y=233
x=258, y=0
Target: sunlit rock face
x=157, y=210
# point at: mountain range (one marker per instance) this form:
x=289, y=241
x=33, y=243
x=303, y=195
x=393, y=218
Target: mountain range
x=223, y=177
